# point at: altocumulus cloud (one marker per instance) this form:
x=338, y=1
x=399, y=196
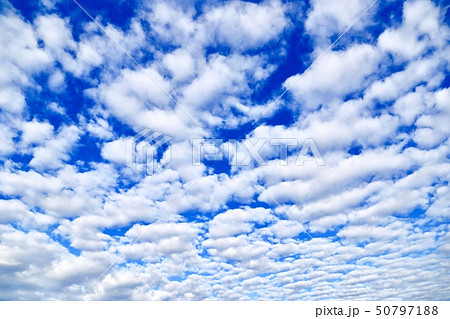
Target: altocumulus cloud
x=377, y=105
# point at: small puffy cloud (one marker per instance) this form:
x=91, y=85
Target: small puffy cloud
x=11, y=99
x=409, y=106
x=336, y=74
x=55, y=32
x=161, y=231
x=16, y=212
x=100, y=128
x=56, y=149
x=35, y=132
x=53, y=106
x=420, y=30
x=426, y=137
x=237, y=221
x=367, y=233
x=171, y=23
x=12, y=210
x=399, y=83
x=180, y=63
x=56, y=82
x=19, y=62
x=245, y=25
x=330, y=17
x=377, y=110
x=115, y=151
x=6, y=141
x=49, y=4
x=23, y=49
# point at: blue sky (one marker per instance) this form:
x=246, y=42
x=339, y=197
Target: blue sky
x=77, y=221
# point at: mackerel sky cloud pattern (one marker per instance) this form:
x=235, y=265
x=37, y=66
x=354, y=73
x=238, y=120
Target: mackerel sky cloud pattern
x=77, y=222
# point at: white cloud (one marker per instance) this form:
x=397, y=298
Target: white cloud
x=366, y=233
x=6, y=143
x=237, y=221
x=23, y=50
x=19, y=62
x=136, y=100
x=244, y=25
x=53, y=106
x=409, y=106
x=14, y=211
x=439, y=208
x=336, y=74
x=427, y=138
x=222, y=76
x=401, y=82
x=11, y=210
x=49, y=4
x=420, y=30
x=35, y=132
x=181, y=64
x=162, y=231
x=62, y=225
x=173, y=24
x=56, y=82
x=11, y=99
x=55, y=32
x=332, y=17
x=100, y=128
x=55, y=150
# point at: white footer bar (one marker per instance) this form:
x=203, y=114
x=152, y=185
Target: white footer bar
x=225, y=309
